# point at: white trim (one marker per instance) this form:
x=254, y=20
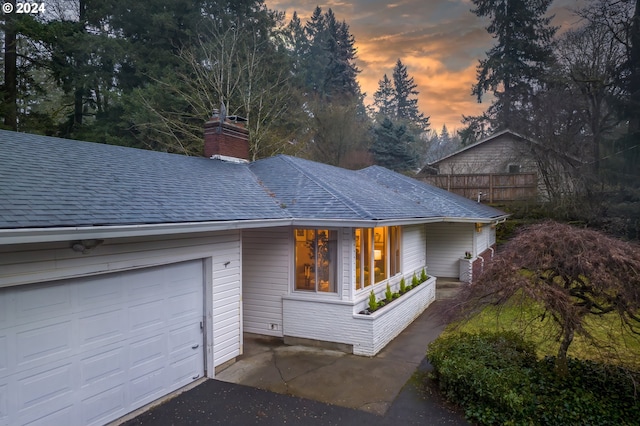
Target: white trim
x=228, y=159
x=43, y=235
x=209, y=362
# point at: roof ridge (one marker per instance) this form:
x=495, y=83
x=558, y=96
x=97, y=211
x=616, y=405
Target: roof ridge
x=326, y=186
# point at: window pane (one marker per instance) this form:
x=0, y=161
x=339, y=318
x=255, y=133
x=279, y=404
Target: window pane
x=327, y=243
x=394, y=254
x=316, y=253
x=305, y=259
x=368, y=261
x=380, y=254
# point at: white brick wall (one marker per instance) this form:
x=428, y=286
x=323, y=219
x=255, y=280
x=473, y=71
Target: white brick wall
x=339, y=321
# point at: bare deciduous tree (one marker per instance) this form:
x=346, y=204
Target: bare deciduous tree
x=571, y=273
x=243, y=72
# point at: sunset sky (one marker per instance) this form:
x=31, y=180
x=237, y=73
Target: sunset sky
x=440, y=42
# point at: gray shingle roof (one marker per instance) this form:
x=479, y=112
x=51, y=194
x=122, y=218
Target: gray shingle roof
x=438, y=201
x=314, y=190
x=52, y=182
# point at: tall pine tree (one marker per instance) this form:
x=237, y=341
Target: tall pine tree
x=405, y=98
x=383, y=98
x=327, y=63
x=516, y=65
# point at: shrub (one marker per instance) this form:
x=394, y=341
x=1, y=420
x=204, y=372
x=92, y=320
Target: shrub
x=591, y=393
x=403, y=286
x=414, y=280
x=485, y=373
x=496, y=378
x=373, y=305
x=388, y=294
x=423, y=275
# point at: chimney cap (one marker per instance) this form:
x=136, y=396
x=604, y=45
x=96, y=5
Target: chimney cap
x=232, y=118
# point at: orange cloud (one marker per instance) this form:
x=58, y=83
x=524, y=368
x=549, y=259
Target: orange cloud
x=440, y=41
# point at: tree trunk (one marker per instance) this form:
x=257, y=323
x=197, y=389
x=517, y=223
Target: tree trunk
x=10, y=71
x=634, y=78
x=562, y=367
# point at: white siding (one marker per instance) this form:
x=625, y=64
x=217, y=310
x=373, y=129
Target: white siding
x=483, y=239
x=413, y=249
x=446, y=244
x=266, y=277
x=31, y=263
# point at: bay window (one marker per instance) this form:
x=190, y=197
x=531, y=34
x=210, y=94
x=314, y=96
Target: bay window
x=316, y=254
x=377, y=252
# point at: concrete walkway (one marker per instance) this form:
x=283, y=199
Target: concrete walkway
x=381, y=386
x=333, y=377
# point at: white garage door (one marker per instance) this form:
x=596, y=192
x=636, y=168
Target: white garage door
x=87, y=351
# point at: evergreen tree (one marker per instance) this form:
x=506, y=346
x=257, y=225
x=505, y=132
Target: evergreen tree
x=405, y=98
x=393, y=146
x=445, y=138
x=296, y=41
x=516, y=65
x=328, y=56
x=383, y=98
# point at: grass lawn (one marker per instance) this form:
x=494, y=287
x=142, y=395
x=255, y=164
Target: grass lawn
x=613, y=344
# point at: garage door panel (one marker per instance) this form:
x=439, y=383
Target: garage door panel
x=56, y=415
x=39, y=342
x=4, y=357
x=185, y=305
x=147, y=387
x=148, y=314
x=103, y=406
x=40, y=302
x=101, y=328
x=87, y=351
x=142, y=284
x=4, y=413
x=143, y=354
x=182, y=369
x=184, y=337
x=106, y=365
x=45, y=389
x=107, y=291
x=5, y=313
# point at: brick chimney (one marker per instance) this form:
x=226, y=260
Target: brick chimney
x=227, y=140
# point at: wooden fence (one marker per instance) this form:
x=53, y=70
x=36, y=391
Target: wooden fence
x=490, y=187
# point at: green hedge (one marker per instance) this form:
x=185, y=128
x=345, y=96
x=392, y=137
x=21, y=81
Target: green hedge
x=496, y=379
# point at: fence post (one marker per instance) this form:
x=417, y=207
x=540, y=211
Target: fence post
x=491, y=188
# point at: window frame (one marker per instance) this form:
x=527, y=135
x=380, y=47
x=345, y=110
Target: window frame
x=364, y=253
x=334, y=263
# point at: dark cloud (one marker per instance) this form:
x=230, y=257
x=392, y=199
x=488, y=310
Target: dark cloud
x=440, y=41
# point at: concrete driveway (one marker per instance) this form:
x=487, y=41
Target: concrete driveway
x=277, y=384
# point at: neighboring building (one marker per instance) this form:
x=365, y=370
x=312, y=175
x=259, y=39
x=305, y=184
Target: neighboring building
x=505, y=166
x=502, y=152
x=126, y=274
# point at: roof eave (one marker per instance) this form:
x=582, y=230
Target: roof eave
x=46, y=235
x=43, y=235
